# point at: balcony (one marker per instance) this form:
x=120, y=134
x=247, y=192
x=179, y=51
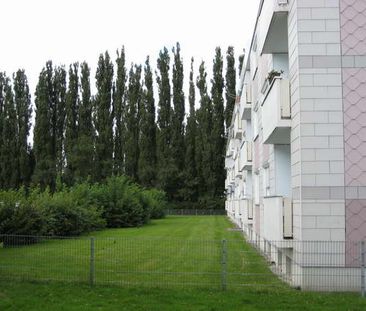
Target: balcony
x=238, y=126
x=238, y=172
x=246, y=104
x=246, y=207
x=277, y=220
x=246, y=156
x=229, y=162
x=273, y=25
x=232, y=145
x=231, y=177
x=276, y=112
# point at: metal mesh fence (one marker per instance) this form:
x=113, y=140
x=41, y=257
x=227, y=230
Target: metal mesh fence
x=227, y=264
x=196, y=212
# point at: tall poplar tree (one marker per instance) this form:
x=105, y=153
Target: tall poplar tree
x=218, y=126
x=10, y=157
x=59, y=93
x=2, y=97
x=22, y=100
x=132, y=122
x=191, y=181
x=44, y=131
x=119, y=103
x=230, y=86
x=178, y=148
x=205, y=150
x=167, y=170
x=147, y=142
x=241, y=63
x=103, y=118
x=84, y=156
x=71, y=126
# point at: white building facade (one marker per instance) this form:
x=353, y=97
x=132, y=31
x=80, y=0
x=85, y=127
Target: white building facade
x=296, y=153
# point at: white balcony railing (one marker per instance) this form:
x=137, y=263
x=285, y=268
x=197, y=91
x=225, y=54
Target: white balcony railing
x=277, y=218
x=238, y=172
x=276, y=113
x=246, y=103
x=246, y=156
x=273, y=26
x=247, y=214
x=238, y=126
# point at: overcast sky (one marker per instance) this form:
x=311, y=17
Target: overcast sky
x=65, y=31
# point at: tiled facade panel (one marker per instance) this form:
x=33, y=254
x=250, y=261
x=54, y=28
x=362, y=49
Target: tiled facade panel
x=317, y=122
x=356, y=220
x=353, y=43
x=257, y=222
x=353, y=27
x=354, y=89
x=256, y=155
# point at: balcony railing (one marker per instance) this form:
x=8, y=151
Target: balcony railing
x=247, y=214
x=246, y=104
x=238, y=172
x=246, y=158
x=276, y=113
x=277, y=220
x=273, y=22
x=238, y=127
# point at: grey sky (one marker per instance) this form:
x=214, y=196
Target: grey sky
x=66, y=31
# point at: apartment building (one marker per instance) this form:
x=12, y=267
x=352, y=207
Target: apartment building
x=296, y=153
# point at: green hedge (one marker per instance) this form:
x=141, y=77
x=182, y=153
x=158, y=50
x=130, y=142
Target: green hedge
x=79, y=209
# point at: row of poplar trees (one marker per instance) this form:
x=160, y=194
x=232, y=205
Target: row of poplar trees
x=78, y=136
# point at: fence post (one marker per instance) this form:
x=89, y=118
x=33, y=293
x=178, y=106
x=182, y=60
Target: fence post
x=223, y=265
x=92, y=262
x=363, y=265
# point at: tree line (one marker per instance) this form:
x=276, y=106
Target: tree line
x=81, y=137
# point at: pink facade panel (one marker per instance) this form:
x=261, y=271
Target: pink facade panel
x=354, y=102
x=265, y=154
x=256, y=154
x=355, y=229
x=257, y=217
x=353, y=27
x=353, y=40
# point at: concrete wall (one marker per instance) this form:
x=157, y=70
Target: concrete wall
x=317, y=123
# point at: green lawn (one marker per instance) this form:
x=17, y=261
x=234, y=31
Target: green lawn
x=160, y=264
x=71, y=297
x=173, y=252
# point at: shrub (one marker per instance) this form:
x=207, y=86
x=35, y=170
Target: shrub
x=82, y=208
x=157, y=202
x=120, y=202
x=66, y=216
x=19, y=217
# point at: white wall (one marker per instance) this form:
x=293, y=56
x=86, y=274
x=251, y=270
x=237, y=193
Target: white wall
x=282, y=157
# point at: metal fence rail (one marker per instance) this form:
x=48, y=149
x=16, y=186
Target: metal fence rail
x=161, y=262
x=196, y=212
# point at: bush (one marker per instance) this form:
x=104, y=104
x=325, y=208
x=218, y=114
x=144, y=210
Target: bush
x=157, y=201
x=18, y=216
x=66, y=216
x=119, y=199
x=82, y=208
